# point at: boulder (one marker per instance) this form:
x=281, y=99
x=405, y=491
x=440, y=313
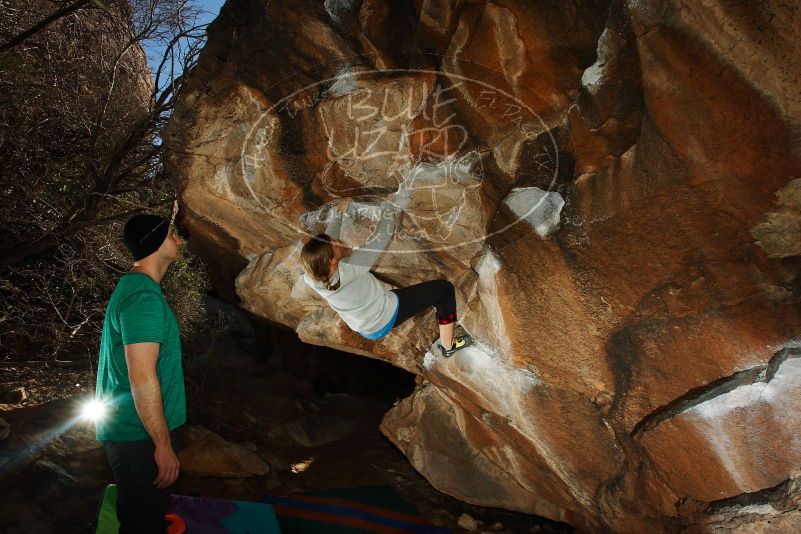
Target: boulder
x=612, y=186
x=204, y=453
x=316, y=430
x=467, y=522
x=13, y=396
x=50, y=481
x=737, y=438
x=5, y=429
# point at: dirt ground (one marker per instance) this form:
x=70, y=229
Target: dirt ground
x=53, y=475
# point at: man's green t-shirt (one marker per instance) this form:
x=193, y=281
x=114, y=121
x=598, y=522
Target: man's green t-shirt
x=138, y=312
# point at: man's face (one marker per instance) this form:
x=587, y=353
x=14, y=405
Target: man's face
x=171, y=248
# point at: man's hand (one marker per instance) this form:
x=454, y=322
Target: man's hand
x=168, y=465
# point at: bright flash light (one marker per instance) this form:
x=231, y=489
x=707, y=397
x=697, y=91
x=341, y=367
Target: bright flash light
x=93, y=410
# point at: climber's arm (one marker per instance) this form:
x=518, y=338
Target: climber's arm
x=334, y=224
x=336, y=216
x=366, y=255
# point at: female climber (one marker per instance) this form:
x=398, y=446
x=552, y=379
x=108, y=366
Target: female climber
x=343, y=278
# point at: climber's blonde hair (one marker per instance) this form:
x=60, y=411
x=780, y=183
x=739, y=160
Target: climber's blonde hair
x=316, y=257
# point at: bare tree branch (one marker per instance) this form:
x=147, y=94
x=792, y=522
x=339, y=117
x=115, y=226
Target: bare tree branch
x=44, y=23
x=133, y=157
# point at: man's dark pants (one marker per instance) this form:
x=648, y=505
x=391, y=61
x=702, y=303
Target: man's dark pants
x=140, y=505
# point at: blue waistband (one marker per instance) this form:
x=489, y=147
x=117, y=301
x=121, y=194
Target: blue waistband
x=384, y=331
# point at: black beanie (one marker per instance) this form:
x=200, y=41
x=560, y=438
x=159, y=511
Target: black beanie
x=144, y=234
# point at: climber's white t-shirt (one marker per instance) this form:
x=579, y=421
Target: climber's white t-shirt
x=364, y=304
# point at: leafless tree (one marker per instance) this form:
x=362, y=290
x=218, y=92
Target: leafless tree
x=59, y=13
x=80, y=151
x=111, y=116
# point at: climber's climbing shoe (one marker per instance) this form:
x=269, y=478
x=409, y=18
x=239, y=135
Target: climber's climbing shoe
x=458, y=344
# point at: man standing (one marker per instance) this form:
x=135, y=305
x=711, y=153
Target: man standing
x=140, y=379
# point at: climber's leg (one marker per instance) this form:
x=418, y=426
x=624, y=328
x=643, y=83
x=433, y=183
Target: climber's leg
x=458, y=343
x=446, y=335
x=415, y=299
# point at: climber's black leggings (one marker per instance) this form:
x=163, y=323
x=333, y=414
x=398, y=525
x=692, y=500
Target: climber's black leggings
x=419, y=297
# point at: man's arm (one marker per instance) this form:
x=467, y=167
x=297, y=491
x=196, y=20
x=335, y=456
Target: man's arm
x=146, y=390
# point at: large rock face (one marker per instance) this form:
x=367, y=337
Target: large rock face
x=612, y=186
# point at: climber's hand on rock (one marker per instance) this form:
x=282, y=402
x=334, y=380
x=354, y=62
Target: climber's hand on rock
x=402, y=199
x=342, y=207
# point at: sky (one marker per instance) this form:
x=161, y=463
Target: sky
x=210, y=10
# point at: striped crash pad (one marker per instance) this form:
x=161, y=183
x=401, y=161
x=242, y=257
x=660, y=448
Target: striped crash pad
x=349, y=511
x=195, y=515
